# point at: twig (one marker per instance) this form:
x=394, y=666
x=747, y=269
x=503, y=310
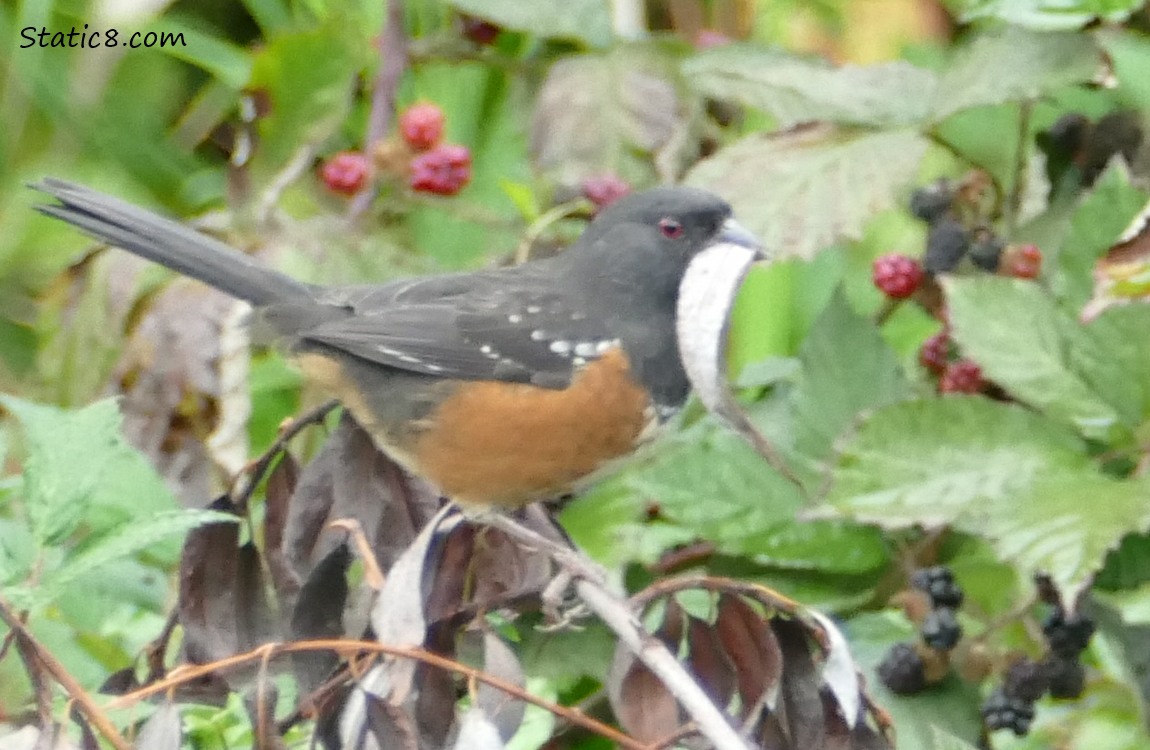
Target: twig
x=1018, y=188
x=260, y=467
x=618, y=615
x=89, y=707
x=393, y=61
x=270, y=650
x=300, y=162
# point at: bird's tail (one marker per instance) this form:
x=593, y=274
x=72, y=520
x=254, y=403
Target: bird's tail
x=168, y=243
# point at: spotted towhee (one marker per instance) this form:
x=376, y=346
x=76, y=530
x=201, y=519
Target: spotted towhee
x=500, y=386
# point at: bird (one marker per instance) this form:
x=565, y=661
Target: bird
x=500, y=386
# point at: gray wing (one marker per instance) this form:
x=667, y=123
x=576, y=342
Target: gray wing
x=470, y=327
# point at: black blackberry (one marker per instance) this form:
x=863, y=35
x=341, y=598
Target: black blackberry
x=940, y=629
x=946, y=244
x=986, y=251
x=939, y=584
x=1068, y=636
x=1000, y=711
x=902, y=670
x=1026, y=680
x=1067, y=677
x=931, y=202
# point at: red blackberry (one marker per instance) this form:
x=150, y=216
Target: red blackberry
x=962, y=376
x=897, y=276
x=444, y=170
x=346, y=173
x=421, y=125
x=934, y=354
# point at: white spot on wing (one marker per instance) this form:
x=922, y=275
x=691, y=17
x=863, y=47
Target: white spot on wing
x=586, y=349
x=605, y=346
x=538, y=335
x=514, y=318
x=533, y=309
x=561, y=347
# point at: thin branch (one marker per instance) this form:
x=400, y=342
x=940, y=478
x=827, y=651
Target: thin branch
x=392, y=63
x=620, y=617
x=271, y=650
x=259, y=468
x=1018, y=188
x=89, y=707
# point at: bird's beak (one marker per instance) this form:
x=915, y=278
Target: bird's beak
x=737, y=234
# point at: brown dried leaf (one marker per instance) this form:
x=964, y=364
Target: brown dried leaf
x=318, y=613
x=310, y=506
x=256, y=621
x=281, y=486
x=390, y=726
x=753, y=649
x=643, y=705
x=503, y=569
x=207, y=584
x=800, y=698
x=709, y=661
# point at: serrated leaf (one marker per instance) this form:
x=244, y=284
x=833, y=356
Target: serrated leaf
x=847, y=367
x=997, y=471
x=1013, y=330
x=797, y=90
x=1095, y=226
x=587, y=21
x=609, y=113
x=122, y=544
x=716, y=487
x=1013, y=64
x=940, y=461
x=73, y=459
x=805, y=188
x=1045, y=15
x=1113, y=355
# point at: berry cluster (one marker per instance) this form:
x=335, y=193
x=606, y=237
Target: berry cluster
x=430, y=165
x=938, y=356
x=957, y=231
x=910, y=667
x=1058, y=673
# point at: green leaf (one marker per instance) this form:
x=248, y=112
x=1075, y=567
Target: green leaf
x=712, y=484
x=1129, y=53
x=119, y=545
x=996, y=471
x=588, y=21
x=1013, y=64
x=72, y=457
x=1113, y=355
x=805, y=188
x=796, y=90
x=1097, y=223
x=847, y=368
x=227, y=62
x=307, y=78
x=610, y=113
x=1045, y=15
x=1013, y=330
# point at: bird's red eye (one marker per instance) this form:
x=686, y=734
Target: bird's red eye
x=670, y=228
